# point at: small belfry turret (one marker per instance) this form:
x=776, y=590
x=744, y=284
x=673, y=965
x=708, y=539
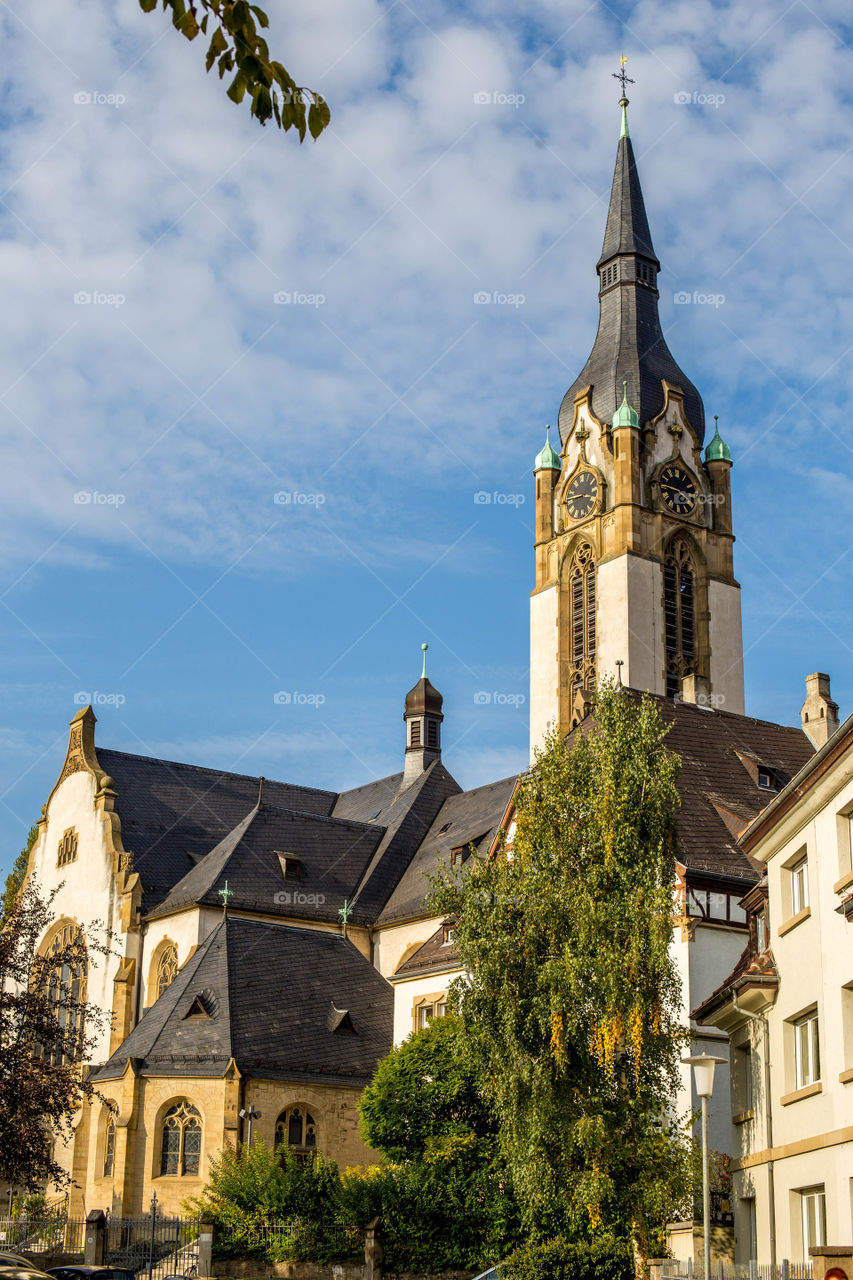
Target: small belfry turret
x=634, y=543
x=423, y=719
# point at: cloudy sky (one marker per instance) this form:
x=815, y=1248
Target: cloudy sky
x=471, y=152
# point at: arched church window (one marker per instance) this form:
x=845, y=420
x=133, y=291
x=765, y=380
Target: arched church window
x=582, y=601
x=109, y=1146
x=63, y=969
x=180, y=1152
x=167, y=968
x=679, y=616
x=298, y=1129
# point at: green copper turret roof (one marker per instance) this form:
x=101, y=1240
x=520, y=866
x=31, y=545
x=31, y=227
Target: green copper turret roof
x=625, y=416
x=546, y=458
x=717, y=450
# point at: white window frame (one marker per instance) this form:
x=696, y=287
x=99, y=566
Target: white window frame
x=761, y=931
x=806, y=1050
x=813, y=1211
x=799, y=874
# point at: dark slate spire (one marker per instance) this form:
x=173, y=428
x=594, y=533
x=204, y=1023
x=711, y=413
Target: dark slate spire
x=629, y=345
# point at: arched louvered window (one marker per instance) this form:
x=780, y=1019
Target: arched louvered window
x=298, y=1129
x=582, y=601
x=679, y=597
x=167, y=968
x=180, y=1153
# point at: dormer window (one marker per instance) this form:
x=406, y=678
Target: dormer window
x=448, y=929
x=760, y=932
x=766, y=780
x=291, y=868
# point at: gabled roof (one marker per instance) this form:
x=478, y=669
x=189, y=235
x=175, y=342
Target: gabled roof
x=434, y=954
x=331, y=853
x=270, y=989
x=470, y=815
x=172, y=814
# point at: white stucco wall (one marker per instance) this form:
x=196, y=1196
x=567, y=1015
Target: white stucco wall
x=629, y=621
x=726, y=645
x=408, y=991
x=85, y=887
x=544, y=673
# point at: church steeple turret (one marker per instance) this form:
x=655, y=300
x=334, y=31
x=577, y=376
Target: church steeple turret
x=423, y=719
x=629, y=345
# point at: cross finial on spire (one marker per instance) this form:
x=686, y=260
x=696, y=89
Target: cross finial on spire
x=225, y=893
x=423, y=673
x=619, y=665
x=622, y=76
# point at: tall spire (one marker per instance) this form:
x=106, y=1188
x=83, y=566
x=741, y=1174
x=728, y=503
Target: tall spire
x=629, y=346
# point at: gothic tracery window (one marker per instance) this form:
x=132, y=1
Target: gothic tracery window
x=64, y=966
x=679, y=616
x=180, y=1152
x=109, y=1146
x=298, y=1129
x=582, y=603
x=167, y=968
x=67, y=851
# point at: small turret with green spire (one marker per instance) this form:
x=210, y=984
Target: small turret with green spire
x=547, y=459
x=625, y=416
x=717, y=449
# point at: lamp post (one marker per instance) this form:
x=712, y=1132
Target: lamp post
x=249, y=1114
x=703, y=1078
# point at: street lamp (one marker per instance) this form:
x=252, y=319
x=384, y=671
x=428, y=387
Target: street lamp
x=703, y=1078
x=249, y=1114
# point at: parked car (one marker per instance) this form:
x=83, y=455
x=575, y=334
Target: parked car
x=21, y=1270
x=74, y=1272
x=8, y=1258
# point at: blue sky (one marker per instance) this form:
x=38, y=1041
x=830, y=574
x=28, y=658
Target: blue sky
x=381, y=398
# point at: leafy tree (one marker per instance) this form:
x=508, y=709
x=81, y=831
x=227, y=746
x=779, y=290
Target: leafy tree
x=237, y=46
x=15, y=878
x=571, y=997
x=46, y=1030
x=426, y=1098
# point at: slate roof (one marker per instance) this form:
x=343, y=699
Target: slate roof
x=274, y=995
x=629, y=344
x=173, y=814
x=719, y=795
x=434, y=954
x=470, y=816
x=331, y=854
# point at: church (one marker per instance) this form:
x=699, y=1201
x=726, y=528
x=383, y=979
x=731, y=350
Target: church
x=270, y=942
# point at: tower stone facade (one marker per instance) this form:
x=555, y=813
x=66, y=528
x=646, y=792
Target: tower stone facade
x=634, y=568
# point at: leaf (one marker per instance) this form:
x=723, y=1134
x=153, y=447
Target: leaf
x=260, y=15
x=319, y=116
x=237, y=88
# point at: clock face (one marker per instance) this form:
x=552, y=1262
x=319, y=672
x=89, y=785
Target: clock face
x=581, y=495
x=677, y=490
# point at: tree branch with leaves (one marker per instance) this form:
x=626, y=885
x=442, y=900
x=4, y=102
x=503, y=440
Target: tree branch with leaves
x=238, y=49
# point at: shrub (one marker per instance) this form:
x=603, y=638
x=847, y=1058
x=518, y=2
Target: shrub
x=601, y=1258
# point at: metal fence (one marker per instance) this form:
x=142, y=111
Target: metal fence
x=43, y=1236
x=675, y=1269
x=155, y=1246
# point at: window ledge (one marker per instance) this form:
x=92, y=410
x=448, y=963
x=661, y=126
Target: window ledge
x=808, y=1091
x=844, y=883
x=794, y=921
x=743, y=1116
x=846, y=1076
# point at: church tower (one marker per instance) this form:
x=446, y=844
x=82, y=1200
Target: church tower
x=634, y=571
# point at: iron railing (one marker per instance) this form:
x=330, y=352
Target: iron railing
x=43, y=1236
x=676, y=1269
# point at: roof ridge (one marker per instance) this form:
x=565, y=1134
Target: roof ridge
x=222, y=773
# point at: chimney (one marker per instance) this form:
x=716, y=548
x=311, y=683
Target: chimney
x=696, y=688
x=819, y=714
